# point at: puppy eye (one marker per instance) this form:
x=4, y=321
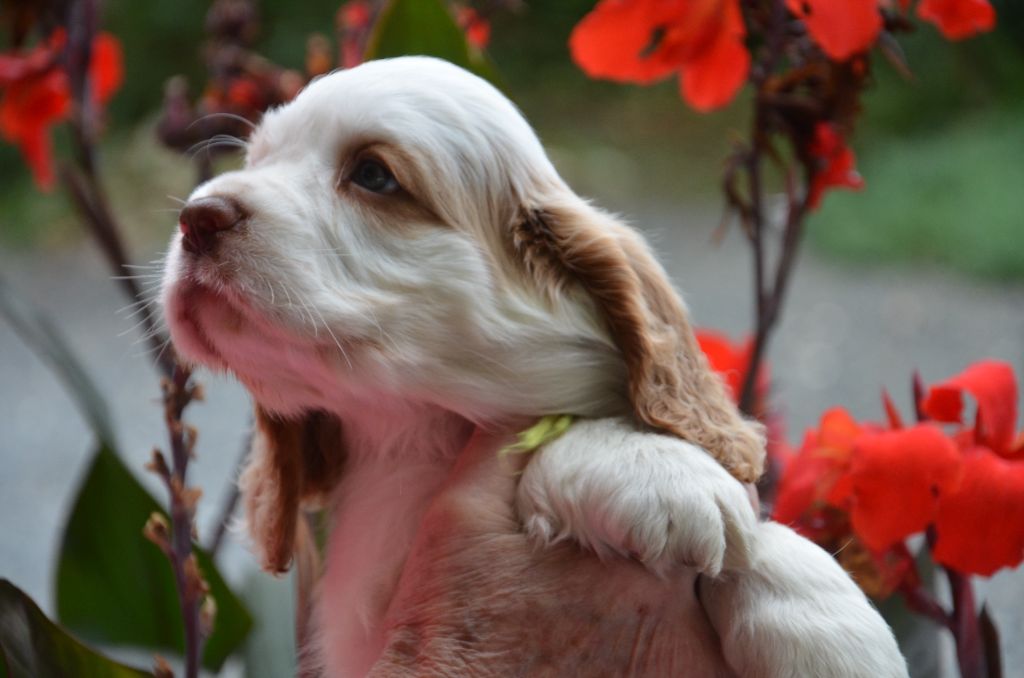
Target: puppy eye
x=374, y=177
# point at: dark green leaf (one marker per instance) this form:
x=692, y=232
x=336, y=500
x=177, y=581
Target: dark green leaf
x=114, y=586
x=40, y=335
x=32, y=646
x=425, y=27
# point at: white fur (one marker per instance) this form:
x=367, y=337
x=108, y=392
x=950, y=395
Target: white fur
x=794, y=613
x=649, y=496
x=414, y=331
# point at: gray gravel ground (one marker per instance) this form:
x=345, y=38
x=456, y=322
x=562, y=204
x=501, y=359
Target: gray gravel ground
x=846, y=333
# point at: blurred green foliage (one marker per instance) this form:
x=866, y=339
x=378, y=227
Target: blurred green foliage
x=954, y=200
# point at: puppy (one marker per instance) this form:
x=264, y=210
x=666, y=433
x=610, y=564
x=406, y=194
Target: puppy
x=399, y=265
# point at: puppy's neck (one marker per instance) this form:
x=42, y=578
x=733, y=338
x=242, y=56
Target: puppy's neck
x=397, y=431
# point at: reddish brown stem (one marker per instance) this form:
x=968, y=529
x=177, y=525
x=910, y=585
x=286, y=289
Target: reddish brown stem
x=923, y=603
x=89, y=197
x=768, y=299
x=965, y=626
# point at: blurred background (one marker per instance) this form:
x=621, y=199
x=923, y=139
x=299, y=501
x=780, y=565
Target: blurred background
x=922, y=270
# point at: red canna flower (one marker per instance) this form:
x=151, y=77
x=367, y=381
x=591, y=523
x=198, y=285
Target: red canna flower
x=896, y=481
x=643, y=41
x=30, y=106
x=836, y=164
x=994, y=388
x=958, y=19
x=883, y=485
x=841, y=28
x=354, y=20
x=356, y=14
x=816, y=477
x=106, y=67
x=477, y=28
x=37, y=96
x=815, y=495
x=980, y=524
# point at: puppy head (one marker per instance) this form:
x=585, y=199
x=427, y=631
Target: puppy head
x=399, y=238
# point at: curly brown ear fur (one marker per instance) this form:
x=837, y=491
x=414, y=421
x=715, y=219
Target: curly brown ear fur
x=293, y=464
x=671, y=386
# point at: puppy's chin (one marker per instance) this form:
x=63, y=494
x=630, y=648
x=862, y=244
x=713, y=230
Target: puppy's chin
x=219, y=328
x=187, y=307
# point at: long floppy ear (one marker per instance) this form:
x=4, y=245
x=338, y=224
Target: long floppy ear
x=671, y=386
x=292, y=466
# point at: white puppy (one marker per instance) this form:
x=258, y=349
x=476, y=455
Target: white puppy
x=399, y=265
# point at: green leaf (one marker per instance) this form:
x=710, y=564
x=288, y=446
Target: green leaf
x=427, y=28
x=32, y=646
x=40, y=335
x=115, y=586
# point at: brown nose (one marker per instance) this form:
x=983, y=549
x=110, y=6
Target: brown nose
x=202, y=220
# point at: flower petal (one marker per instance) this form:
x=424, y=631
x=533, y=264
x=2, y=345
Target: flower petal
x=841, y=28
x=897, y=477
x=614, y=41
x=475, y=26
x=713, y=75
x=958, y=19
x=28, y=108
x=106, y=68
x=813, y=475
x=836, y=164
x=980, y=525
x=994, y=387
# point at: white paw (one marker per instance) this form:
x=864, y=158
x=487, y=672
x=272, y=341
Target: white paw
x=652, y=497
x=796, y=613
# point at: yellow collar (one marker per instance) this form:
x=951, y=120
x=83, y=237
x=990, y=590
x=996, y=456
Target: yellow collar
x=544, y=431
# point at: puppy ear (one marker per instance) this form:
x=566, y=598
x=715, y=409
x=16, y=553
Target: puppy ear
x=292, y=466
x=671, y=386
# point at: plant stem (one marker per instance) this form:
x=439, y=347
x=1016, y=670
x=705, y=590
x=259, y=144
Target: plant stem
x=90, y=199
x=965, y=626
x=178, y=393
x=768, y=300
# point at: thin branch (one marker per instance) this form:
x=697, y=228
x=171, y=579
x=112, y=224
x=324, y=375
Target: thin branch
x=923, y=603
x=90, y=200
x=965, y=627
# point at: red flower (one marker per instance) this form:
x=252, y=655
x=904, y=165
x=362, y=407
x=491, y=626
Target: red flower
x=991, y=493
x=106, y=67
x=643, y=41
x=816, y=476
x=958, y=19
x=885, y=485
x=980, y=526
x=37, y=96
x=353, y=20
x=477, y=28
x=836, y=164
x=897, y=479
x=841, y=28
x=356, y=14
x=30, y=106
x=993, y=386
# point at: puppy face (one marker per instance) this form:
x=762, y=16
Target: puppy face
x=369, y=258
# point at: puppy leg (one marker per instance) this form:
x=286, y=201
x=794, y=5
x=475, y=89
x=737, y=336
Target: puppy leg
x=653, y=497
x=795, y=613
